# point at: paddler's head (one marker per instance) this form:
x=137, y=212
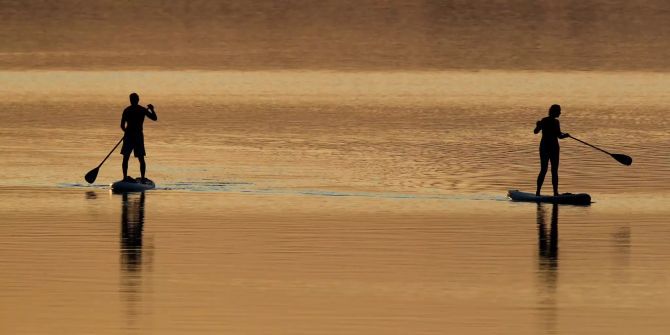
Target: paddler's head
x=555, y=110
x=134, y=99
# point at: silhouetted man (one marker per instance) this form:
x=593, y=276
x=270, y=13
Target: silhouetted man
x=549, y=148
x=133, y=138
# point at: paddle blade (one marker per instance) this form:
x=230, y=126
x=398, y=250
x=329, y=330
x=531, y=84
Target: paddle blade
x=623, y=159
x=91, y=175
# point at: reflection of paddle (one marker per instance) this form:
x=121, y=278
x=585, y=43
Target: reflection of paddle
x=623, y=159
x=91, y=175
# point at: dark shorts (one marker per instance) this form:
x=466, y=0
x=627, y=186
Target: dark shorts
x=133, y=143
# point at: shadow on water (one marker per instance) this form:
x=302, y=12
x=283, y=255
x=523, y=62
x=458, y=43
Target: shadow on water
x=132, y=261
x=547, y=266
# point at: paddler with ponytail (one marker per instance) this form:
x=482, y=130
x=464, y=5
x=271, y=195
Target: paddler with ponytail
x=549, y=148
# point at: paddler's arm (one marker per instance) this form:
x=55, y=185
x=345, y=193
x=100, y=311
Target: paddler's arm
x=538, y=127
x=151, y=113
x=123, y=122
x=560, y=134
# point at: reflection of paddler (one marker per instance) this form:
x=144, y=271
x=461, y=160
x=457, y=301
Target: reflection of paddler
x=132, y=224
x=548, y=268
x=132, y=251
x=549, y=148
x=548, y=248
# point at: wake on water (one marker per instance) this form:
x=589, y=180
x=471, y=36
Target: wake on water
x=248, y=187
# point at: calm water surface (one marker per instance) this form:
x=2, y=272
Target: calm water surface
x=77, y=261
x=330, y=202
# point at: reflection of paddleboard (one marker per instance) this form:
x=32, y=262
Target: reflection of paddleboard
x=132, y=186
x=565, y=198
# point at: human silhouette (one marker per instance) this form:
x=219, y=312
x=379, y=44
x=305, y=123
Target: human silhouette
x=133, y=139
x=549, y=148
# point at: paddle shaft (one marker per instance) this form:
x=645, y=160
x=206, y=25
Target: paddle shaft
x=110, y=153
x=591, y=145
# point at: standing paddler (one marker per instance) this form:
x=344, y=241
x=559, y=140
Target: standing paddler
x=549, y=148
x=133, y=138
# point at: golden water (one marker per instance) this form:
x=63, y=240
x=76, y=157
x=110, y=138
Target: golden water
x=332, y=203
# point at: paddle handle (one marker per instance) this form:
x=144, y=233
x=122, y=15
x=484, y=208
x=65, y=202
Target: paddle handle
x=592, y=146
x=110, y=153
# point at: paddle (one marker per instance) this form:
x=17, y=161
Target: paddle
x=623, y=159
x=91, y=175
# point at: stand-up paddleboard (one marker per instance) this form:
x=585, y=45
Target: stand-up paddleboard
x=134, y=185
x=565, y=198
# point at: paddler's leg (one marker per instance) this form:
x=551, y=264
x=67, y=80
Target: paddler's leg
x=143, y=166
x=124, y=165
x=140, y=153
x=544, y=162
x=554, y=170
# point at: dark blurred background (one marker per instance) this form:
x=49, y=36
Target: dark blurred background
x=336, y=34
